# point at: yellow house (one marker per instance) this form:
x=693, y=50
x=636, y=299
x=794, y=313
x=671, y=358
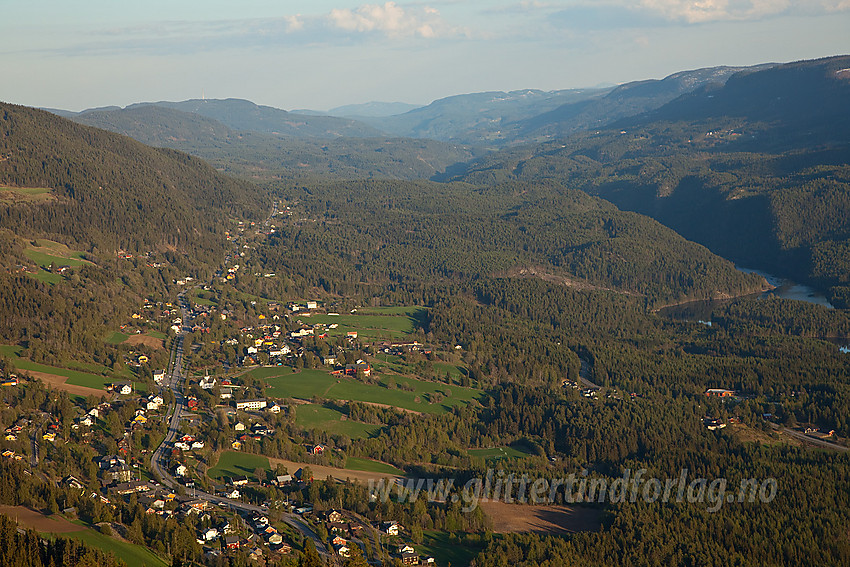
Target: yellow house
x=50, y=436
x=236, y=445
x=141, y=419
x=143, y=358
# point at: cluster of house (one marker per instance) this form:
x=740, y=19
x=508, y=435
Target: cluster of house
x=346, y=531
x=719, y=393
x=353, y=369
x=255, y=432
x=819, y=434
x=268, y=339
x=592, y=393
x=715, y=423
x=400, y=348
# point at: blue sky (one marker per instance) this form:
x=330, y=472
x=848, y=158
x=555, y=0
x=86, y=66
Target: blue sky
x=326, y=53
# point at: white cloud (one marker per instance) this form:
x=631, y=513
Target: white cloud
x=392, y=20
x=703, y=11
x=294, y=23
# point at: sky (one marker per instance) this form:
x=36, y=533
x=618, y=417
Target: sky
x=326, y=53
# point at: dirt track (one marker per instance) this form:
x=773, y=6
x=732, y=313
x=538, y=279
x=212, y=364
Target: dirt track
x=38, y=521
x=520, y=518
x=58, y=382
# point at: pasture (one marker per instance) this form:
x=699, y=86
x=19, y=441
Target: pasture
x=408, y=393
x=313, y=416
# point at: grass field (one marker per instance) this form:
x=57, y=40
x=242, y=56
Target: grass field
x=117, y=337
x=26, y=194
x=440, y=547
x=283, y=383
x=234, y=463
x=47, y=252
x=395, y=324
x=75, y=377
x=203, y=298
x=46, y=277
x=368, y=465
x=497, y=453
x=312, y=416
x=132, y=555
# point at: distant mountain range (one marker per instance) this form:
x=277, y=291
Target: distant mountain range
x=491, y=119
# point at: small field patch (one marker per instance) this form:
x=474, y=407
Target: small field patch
x=557, y=520
x=234, y=463
x=145, y=339
x=396, y=391
x=368, y=465
x=445, y=550
x=26, y=194
x=38, y=521
x=133, y=555
x=498, y=453
x=372, y=327
x=322, y=472
x=313, y=416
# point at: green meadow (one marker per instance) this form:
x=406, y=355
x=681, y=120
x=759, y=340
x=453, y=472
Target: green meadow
x=313, y=416
x=234, y=463
x=389, y=323
x=368, y=465
x=418, y=395
x=133, y=555
x=75, y=377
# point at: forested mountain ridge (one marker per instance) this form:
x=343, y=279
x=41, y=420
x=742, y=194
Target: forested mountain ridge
x=756, y=170
x=107, y=188
x=260, y=156
x=381, y=233
x=245, y=115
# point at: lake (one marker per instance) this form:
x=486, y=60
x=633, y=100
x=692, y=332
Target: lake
x=700, y=311
x=787, y=289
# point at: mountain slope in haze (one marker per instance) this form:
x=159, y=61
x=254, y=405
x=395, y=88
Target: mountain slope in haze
x=630, y=99
x=105, y=190
x=758, y=170
x=245, y=115
x=264, y=156
x=515, y=117
x=478, y=117
x=159, y=126
x=372, y=109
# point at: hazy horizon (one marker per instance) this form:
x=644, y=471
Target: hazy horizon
x=333, y=53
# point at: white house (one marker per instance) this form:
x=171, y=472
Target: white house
x=158, y=376
x=274, y=408
x=251, y=404
x=180, y=470
x=390, y=528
